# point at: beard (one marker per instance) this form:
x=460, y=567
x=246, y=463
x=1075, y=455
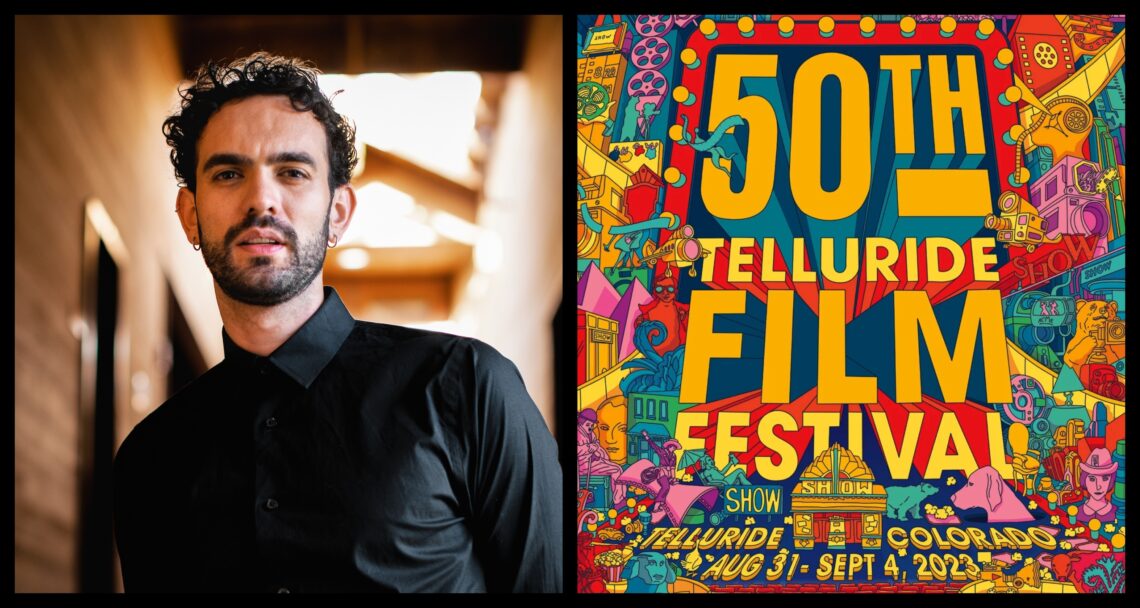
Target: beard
x=263, y=283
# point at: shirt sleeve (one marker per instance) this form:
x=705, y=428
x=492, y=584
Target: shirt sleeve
x=144, y=545
x=517, y=491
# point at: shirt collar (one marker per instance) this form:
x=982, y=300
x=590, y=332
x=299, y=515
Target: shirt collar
x=307, y=352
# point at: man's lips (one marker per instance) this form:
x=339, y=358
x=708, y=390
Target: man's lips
x=261, y=241
x=261, y=248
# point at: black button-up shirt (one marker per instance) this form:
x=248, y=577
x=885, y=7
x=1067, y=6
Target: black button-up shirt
x=356, y=457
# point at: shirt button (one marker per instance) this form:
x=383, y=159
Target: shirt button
x=283, y=590
x=264, y=370
x=271, y=422
x=271, y=504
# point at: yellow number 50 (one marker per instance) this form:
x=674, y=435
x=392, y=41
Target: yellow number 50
x=805, y=161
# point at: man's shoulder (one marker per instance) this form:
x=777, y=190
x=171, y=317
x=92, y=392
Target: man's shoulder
x=387, y=335
x=455, y=360
x=411, y=343
x=174, y=418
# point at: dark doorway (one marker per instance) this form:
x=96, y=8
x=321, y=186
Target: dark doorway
x=97, y=437
x=186, y=361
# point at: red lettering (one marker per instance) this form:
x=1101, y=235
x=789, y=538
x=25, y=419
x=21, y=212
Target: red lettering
x=1054, y=268
x=1081, y=247
x=1019, y=267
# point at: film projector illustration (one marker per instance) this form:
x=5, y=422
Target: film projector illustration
x=682, y=249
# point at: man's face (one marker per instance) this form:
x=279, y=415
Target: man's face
x=666, y=289
x=263, y=199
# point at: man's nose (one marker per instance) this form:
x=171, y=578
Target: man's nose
x=264, y=193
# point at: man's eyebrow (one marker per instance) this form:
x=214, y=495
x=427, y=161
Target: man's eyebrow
x=229, y=158
x=292, y=157
x=226, y=159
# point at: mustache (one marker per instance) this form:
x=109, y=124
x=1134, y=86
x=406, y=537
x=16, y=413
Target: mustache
x=264, y=221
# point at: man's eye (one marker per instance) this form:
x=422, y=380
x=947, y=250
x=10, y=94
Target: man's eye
x=226, y=175
x=294, y=173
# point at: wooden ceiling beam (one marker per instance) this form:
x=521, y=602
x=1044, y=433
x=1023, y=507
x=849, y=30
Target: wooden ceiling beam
x=357, y=44
x=445, y=258
x=428, y=187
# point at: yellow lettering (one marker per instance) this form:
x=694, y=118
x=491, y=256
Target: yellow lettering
x=881, y=267
x=712, y=245
x=982, y=259
x=982, y=313
x=902, y=69
x=726, y=101
x=778, y=347
x=725, y=441
x=703, y=344
x=940, y=458
x=737, y=258
x=827, y=260
x=835, y=386
x=933, y=272
x=821, y=423
x=966, y=100
x=899, y=458
x=784, y=451
x=854, y=139
x=768, y=273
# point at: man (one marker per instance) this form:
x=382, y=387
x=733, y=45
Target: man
x=323, y=453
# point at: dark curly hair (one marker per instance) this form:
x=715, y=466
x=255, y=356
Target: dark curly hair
x=258, y=74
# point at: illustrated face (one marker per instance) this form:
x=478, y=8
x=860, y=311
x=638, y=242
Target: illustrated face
x=262, y=175
x=1099, y=485
x=665, y=290
x=612, y=429
x=588, y=425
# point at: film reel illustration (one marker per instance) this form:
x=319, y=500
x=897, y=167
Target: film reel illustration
x=647, y=83
x=653, y=25
x=651, y=53
x=593, y=99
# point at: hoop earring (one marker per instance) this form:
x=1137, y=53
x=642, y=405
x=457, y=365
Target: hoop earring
x=334, y=242
x=197, y=247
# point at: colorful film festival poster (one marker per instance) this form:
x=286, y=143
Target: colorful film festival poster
x=850, y=303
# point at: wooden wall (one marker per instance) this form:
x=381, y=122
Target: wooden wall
x=514, y=308
x=91, y=94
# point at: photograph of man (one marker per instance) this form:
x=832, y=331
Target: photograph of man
x=324, y=453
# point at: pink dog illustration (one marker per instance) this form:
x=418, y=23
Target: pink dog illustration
x=986, y=489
